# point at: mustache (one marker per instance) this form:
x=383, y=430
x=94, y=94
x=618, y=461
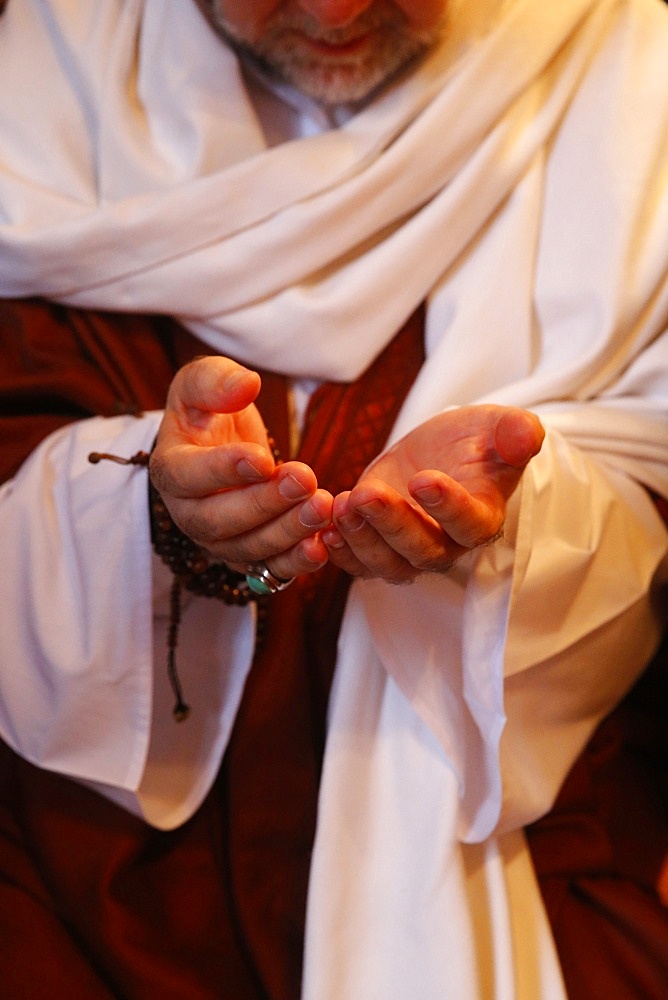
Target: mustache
x=382, y=15
x=387, y=18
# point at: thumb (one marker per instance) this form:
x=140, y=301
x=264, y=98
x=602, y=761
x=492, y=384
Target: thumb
x=213, y=384
x=518, y=436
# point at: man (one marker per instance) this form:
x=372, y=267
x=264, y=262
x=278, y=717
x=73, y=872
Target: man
x=437, y=229
x=336, y=53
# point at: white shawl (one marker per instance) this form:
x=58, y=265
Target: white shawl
x=516, y=180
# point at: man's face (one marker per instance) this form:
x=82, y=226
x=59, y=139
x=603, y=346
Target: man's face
x=333, y=50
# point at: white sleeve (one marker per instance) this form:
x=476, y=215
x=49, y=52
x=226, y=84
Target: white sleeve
x=84, y=689
x=513, y=657
x=584, y=616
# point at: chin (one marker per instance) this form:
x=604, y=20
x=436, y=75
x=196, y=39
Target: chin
x=343, y=81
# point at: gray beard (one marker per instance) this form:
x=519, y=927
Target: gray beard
x=416, y=47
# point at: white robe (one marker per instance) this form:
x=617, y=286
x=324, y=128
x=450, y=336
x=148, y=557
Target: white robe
x=517, y=181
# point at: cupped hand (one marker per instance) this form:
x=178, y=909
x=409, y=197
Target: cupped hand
x=438, y=493
x=214, y=468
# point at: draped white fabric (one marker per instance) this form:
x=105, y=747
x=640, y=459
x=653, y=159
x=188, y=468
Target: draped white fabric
x=517, y=181
x=125, y=184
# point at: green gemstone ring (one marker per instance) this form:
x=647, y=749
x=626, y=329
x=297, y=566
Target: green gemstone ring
x=262, y=581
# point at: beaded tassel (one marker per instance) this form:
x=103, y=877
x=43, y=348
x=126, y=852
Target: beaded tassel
x=192, y=570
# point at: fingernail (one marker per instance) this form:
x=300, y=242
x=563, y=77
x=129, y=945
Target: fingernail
x=291, y=488
x=247, y=470
x=351, y=521
x=315, y=563
x=428, y=495
x=333, y=539
x=309, y=517
x=372, y=509
x=235, y=378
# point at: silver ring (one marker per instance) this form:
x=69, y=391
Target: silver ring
x=262, y=581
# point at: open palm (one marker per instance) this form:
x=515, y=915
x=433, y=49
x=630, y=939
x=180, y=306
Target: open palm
x=437, y=493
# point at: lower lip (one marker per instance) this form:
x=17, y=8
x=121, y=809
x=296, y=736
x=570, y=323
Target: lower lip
x=351, y=48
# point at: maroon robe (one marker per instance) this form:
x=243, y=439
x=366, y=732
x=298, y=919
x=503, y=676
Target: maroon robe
x=95, y=904
x=216, y=908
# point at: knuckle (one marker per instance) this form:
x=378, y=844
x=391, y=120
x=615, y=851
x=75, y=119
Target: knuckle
x=259, y=505
x=169, y=476
x=244, y=550
x=199, y=526
x=491, y=535
x=430, y=561
x=159, y=473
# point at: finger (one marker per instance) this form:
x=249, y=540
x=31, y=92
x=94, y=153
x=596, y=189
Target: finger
x=278, y=535
x=340, y=553
x=466, y=519
x=190, y=471
x=373, y=537
x=306, y=557
x=218, y=514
